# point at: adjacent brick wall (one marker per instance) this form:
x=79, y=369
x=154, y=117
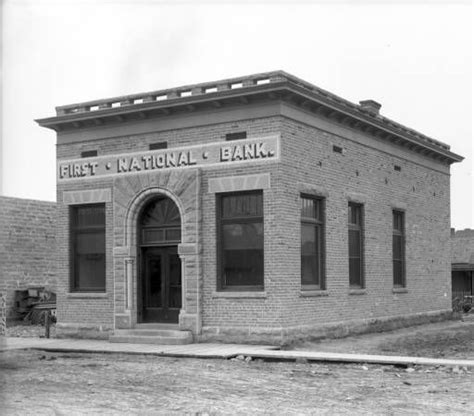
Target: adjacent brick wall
x=27, y=246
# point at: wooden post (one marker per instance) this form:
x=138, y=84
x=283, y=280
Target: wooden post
x=47, y=323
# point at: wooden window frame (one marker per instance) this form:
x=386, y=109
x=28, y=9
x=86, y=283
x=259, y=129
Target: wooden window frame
x=76, y=230
x=358, y=227
x=399, y=232
x=317, y=223
x=221, y=286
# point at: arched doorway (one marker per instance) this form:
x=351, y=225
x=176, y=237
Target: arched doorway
x=159, y=233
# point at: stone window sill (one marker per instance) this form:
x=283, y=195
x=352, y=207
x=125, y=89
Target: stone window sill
x=87, y=295
x=241, y=295
x=400, y=290
x=313, y=293
x=358, y=291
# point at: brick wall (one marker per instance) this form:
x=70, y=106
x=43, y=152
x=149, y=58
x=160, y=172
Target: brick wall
x=27, y=246
x=82, y=309
x=364, y=172
x=365, y=175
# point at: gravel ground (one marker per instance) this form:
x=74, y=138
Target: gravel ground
x=39, y=383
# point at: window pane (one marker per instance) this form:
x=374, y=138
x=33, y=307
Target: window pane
x=310, y=208
x=90, y=216
x=90, y=271
x=310, y=253
x=354, y=243
x=397, y=247
x=308, y=239
x=355, y=272
x=309, y=270
x=153, y=235
x=173, y=234
x=355, y=214
x=175, y=282
x=398, y=221
x=242, y=236
x=398, y=273
x=160, y=212
x=242, y=239
x=243, y=267
x=247, y=205
x=90, y=243
x=153, y=291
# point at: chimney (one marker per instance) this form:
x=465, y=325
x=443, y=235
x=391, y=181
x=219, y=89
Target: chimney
x=371, y=106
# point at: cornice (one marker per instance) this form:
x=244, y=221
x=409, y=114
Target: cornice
x=277, y=85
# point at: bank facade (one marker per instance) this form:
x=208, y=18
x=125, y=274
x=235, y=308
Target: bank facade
x=259, y=208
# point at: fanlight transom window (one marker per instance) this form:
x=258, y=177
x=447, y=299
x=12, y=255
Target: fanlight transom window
x=160, y=223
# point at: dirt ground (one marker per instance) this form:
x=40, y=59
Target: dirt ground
x=448, y=339
x=40, y=383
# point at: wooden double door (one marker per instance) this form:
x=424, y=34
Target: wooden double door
x=161, y=284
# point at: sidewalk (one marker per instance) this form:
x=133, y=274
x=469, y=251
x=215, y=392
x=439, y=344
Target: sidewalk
x=224, y=351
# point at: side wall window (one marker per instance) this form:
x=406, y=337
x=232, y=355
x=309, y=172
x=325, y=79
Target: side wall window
x=88, y=248
x=312, y=242
x=398, y=249
x=356, y=248
x=240, y=241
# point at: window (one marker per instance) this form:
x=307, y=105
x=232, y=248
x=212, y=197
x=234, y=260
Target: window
x=356, y=273
x=89, y=153
x=240, y=241
x=158, y=145
x=236, y=136
x=160, y=223
x=312, y=248
x=88, y=248
x=398, y=249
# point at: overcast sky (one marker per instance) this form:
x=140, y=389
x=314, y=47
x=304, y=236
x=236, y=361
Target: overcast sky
x=415, y=59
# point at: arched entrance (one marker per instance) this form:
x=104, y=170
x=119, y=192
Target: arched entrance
x=159, y=283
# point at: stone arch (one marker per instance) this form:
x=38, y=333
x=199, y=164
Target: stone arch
x=131, y=193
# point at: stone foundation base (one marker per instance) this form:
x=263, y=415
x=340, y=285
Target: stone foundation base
x=88, y=331
x=287, y=336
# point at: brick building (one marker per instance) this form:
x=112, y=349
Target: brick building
x=258, y=208
x=27, y=246
x=462, y=258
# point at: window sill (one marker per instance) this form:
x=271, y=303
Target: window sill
x=313, y=293
x=242, y=295
x=400, y=290
x=358, y=291
x=86, y=295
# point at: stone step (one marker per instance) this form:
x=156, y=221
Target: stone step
x=174, y=327
x=153, y=332
x=152, y=336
